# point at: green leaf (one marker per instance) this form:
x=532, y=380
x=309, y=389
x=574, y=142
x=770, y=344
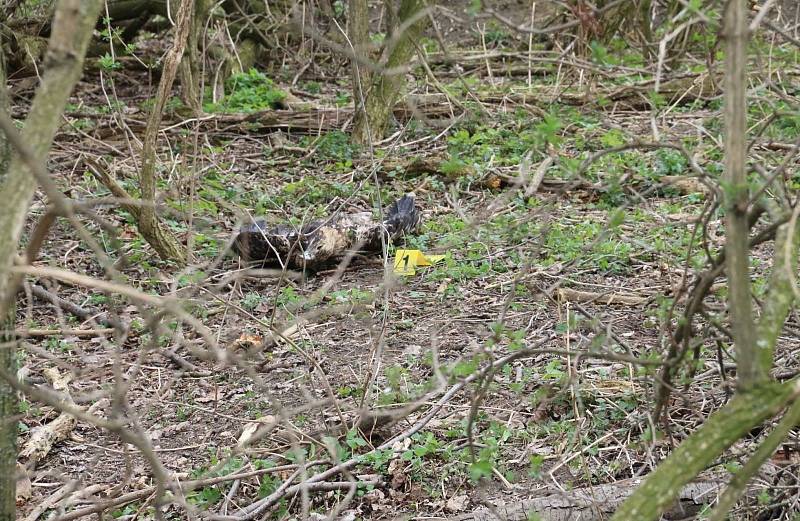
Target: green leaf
x=481, y=468
x=465, y=368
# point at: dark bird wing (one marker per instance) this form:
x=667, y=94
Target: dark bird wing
x=402, y=217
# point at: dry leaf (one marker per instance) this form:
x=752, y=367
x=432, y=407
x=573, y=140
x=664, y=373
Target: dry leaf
x=251, y=428
x=375, y=496
x=210, y=395
x=413, y=350
x=493, y=182
x=400, y=446
x=247, y=341
x=398, y=473
x=457, y=503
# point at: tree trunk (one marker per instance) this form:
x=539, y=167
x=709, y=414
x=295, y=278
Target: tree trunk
x=725, y=427
x=191, y=94
x=371, y=124
x=742, y=477
x=8, y=396
x=5, y=155
x=8, y=427
x=757, y=398
x=151, y=228
x=358, y=29
x=72, y=29
x=646, y=26
x=73, y=22
x=749, y=371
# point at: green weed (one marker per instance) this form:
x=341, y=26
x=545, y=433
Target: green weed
x=249, y=91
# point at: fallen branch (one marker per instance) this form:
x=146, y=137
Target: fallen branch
x=287, y=490
x=110, y=182
x=63, y=332
x=589, y=504
x=45, y=437
x=72, y=308
x=628, y=299
x=170, y=304
x=322, y=119
x=443, y=166
x=68, y=492
x=136, y=495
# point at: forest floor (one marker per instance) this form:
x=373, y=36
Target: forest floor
x=579, y=272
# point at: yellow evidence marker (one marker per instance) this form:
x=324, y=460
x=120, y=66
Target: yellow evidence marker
x=407, y=261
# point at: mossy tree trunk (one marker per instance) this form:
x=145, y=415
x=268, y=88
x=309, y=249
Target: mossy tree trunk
x=387, y=85
x=5, y=156
x=8, y=396
x=758, y=398
x=9, y=412
x=72, y=29
x=724, y=428
x=8, y=431
x=73, y=22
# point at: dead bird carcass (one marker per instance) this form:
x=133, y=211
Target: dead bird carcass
x=321, y=241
